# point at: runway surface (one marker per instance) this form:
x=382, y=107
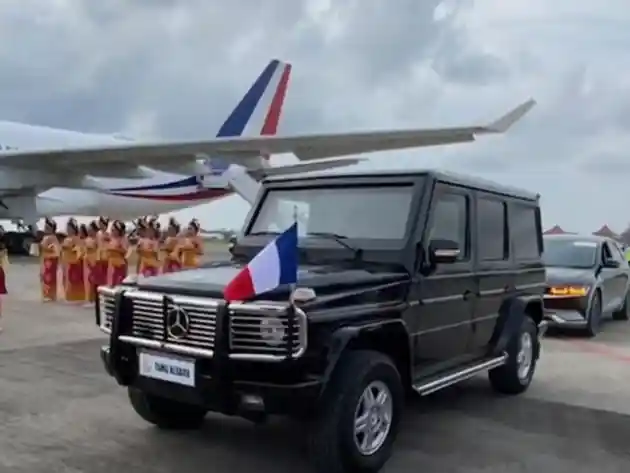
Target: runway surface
x=60, y=412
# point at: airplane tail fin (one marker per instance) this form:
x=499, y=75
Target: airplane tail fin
x=262, y=102
x=268, y=91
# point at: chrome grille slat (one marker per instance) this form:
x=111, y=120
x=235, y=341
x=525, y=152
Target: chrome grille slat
x=247, y=325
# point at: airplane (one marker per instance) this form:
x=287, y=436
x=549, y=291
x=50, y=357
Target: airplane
x=36, y=159
x=162, y=192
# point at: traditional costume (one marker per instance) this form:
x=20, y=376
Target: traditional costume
x=191, y=246
x=117, y=254
x=171, y=258
x=73, y=265
x=49, y=252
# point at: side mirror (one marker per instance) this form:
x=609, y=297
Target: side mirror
x=443, y=251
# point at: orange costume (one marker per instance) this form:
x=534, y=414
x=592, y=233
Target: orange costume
x=49, y=257
x=117, y=254
x=72, y=258
x=191, y=246
x=91, y=260
x=103, y=238
x=149, y=257
x=171, y=258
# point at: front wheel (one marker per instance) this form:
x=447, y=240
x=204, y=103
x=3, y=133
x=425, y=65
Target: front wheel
x=624, y=312
x=515, y=376
x=358, y=416
x=165, y=413
x=594, y=316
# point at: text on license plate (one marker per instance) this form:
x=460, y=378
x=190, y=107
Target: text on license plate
x=167, y=368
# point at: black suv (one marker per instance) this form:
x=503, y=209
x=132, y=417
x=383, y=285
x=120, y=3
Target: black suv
x=408, y=281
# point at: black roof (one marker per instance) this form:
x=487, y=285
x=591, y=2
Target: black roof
x=439, y=175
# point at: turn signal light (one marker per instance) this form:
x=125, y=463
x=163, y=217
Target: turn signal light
x=569, y=291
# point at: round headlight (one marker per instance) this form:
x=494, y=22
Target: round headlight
x=273, y=331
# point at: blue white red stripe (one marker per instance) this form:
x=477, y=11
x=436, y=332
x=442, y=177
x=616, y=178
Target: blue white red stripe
x=276, y=265
x=186, y=188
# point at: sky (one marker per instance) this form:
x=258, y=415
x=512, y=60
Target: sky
x=174, y=68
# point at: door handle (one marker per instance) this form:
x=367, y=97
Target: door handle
x=468, y=294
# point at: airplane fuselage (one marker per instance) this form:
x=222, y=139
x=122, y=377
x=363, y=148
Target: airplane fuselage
x=125, y=198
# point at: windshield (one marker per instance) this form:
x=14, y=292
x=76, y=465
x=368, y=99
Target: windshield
x=570, y=253
x=362, y=212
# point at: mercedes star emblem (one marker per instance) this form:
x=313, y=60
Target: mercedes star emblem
x=177, y=322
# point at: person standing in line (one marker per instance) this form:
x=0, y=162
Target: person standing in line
x=102, y=237
x=91, y=263
x=4, y=266
x=50, y=251
x=171, y=258
x=118, y=253
x=191, y=246
x=73, y=265
x=141, y=231
x=149, y=250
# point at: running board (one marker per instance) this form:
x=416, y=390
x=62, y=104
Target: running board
x=442, y=382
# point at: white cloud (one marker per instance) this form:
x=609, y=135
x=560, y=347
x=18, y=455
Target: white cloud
x=174, y=69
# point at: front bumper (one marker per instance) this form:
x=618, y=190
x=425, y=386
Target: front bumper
x=566, y=312
x=223, y=394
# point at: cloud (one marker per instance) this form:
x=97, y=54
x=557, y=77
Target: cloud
x=174, y=69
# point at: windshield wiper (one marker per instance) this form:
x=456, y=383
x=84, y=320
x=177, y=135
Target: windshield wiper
x=339, y=239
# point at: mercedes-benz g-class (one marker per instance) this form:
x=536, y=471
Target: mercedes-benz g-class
x=408, y=282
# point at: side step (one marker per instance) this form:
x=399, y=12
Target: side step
x=442, y=381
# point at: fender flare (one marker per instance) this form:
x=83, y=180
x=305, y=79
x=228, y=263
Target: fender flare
x=511, y=315
x=343, y=336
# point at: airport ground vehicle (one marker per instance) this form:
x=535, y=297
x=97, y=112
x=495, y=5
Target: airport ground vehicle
x=588, y=279
x=409, y=281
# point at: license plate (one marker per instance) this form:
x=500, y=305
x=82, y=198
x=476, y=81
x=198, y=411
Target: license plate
x=168, y=368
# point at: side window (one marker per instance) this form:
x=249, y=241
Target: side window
x=451, y=221
x=607, y=254
x=524, y=227
x=617, y=253
x=492, y=242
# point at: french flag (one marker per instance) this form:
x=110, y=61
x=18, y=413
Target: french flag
x=275, y=265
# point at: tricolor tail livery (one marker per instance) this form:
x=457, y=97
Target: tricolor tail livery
x=270, y=88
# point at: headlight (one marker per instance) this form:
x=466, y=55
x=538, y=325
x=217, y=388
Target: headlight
x=569, y=291
x=273, y=331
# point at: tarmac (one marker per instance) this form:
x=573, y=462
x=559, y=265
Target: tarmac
x=60, y=412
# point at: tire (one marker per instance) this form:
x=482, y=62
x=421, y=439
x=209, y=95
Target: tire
x=624, y=312
x=165, y=413
x=594, y=316
x=515, y=376
x=333, y=445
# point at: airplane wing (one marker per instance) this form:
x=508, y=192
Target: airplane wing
x=240, y=150
x=259, y=174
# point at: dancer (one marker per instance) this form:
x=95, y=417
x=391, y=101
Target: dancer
x=149, y=250
x=171, y=258
x=72, y=258
x=50, y=250
x=4, y=266
x=103, y=237
x=117, y=254
x=191, y=246
x=92, y=268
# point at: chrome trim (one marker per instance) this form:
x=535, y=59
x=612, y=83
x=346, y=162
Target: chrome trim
x=244, y=317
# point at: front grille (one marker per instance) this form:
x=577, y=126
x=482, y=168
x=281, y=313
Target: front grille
x=257, y=330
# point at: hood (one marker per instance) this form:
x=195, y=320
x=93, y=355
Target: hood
x=324, y=279
x=557, y=275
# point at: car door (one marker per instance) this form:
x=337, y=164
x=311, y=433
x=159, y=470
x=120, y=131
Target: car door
x=614, y=280
x=492, y=265
x=446, y=297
